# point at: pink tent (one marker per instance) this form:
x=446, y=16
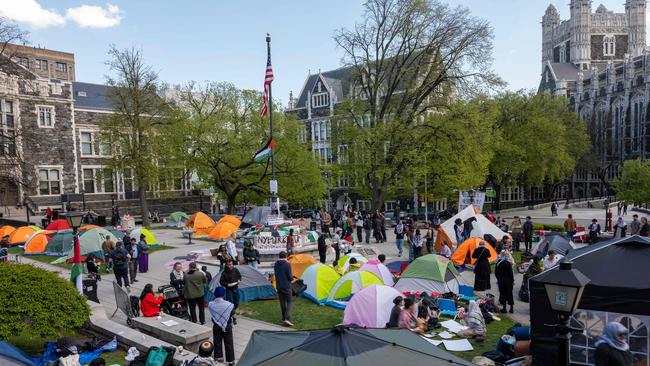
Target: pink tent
x=370, y=307
x=380, y=270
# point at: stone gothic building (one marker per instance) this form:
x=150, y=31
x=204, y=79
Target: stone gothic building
x=599, y=62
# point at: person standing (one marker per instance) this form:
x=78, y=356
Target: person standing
x=458, y=231
x=231, y=246
x=594, y=231
x=416, y=244
x=528, y=229
x=399, y=237
x=367, y=225
x=429, y=238
x=612, y=348
x=322, y=249
x=194, y=283
x=221, y=313
x=625, y=208
x=283, y=279
x=635, y=225
x=143, y=254
x=230, y=279
x=482, y=268
x=382, y=222
x=121, y=260
x=505, y=279
x=251, y=255
x=515, y=226
x=570, y=227
x=107, y=247
x=133, y=264
x=619, y=228
x=291, y=242
x=327, y=222
x=358, y=222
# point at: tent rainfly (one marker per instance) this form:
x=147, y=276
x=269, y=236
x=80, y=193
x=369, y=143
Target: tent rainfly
x=480, y=226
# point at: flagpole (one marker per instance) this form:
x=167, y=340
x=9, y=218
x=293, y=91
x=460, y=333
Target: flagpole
x=273, y=183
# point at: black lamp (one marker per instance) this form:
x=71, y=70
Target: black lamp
x=564, y=288
x=74, y=219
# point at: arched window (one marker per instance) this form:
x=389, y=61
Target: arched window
x=617, y=127
x=609, y=45
x=638, y=118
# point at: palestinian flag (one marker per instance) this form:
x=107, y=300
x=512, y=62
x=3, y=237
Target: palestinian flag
x=76, y=272
x=265, y=152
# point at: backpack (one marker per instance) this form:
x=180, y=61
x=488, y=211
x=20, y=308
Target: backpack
x=135, y=305
x=120, y=257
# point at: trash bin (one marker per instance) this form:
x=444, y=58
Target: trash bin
x=89, y=286
x=101, y=220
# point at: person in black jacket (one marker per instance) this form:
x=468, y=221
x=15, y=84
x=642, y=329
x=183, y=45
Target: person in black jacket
x=482, y=268
x=395, y=312
x=230, y=279
x=527, y=228
x=612, y=348
x=283, y=279
x=322, y=248
x=505, y=279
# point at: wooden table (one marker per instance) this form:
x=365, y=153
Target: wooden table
x=185, y=333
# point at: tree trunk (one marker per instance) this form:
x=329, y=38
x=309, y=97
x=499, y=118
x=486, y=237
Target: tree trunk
x=142, y=192
x=497, y=198
x=231, y=201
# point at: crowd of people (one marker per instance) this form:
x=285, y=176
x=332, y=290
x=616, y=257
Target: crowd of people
x=125, y=258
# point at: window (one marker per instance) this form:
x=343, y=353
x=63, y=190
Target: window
x=316, y=129
x=49, y=181
x=7, y=129
x=89, y=180
x=127, y=178
x=45, y=116
x=86, y=143
x=61, y=67
x=41, y=64
x=22, y=61
x=323, y=131
x=320, y=100
x=609, y=45
x=108, y=181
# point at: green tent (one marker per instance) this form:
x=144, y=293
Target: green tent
x=178, y=216
x=91, y=241
x=118, y=234
x=61, y=243
x=430, y=273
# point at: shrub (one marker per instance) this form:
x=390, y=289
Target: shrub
x=38, y=303
x=548, y=227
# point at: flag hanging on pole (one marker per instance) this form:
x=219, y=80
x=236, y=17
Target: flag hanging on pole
x=268, y=79
x=265, y=152
x=76, y=272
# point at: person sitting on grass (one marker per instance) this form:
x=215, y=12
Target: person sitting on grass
x=474, y=321
x=408, y=318
x=150, y=302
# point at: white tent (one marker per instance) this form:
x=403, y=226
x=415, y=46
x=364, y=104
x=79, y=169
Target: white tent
x=480, y=227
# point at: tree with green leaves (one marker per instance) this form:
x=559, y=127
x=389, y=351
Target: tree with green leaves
x=138, y=110
x=406, y=57
x=633, y=184
x=218, y=130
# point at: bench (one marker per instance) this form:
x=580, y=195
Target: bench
x=183, y=333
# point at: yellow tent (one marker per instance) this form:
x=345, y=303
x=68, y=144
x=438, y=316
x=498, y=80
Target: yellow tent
x=201, y=223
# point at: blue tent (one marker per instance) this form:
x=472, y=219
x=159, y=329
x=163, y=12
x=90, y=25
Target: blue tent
x=10, y=355
x=253, y=286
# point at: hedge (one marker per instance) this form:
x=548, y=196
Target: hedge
x=548, y=227
x=38, y=303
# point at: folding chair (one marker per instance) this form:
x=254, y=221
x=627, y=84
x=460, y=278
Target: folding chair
x=447, y=307
x=466, y=293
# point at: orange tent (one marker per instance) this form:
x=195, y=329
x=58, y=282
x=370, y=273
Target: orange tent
x=20, y=235
x=300, y=262
x=60, y=224
x=441, y=236
x=466, y=249
x=231, y=219
x=222, y=230
x=37, y=243
x=88, y=227
x=201, y=223
x=6, y=230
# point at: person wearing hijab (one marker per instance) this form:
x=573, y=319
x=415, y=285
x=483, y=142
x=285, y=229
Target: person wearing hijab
x=505, y=279
x=482, y=268
x=395, y=312
x=474, y=321
x=176, y=277
x=221, y=313
x=619, y=228
x=612, y=348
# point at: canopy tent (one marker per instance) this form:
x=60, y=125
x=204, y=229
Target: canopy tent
x=618, y=271
x=376, y=267
x=21, y=234
x=558, y=243
x=344, y=346
x=431, y=273
x=258, y=216
x=463, y=254
x=222, y=230
x=319, y=279
x=300, y=262
x=148, y=236
x=350, y=284
x=37, y=242
x=371, y=307
x=201, y=223
x=59, y=224
x=11, y=355
x=480, y=225
x=253, y=286
x=344, y=261
x=6, y=230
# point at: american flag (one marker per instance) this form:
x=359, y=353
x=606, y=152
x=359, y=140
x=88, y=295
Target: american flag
x=268, y=79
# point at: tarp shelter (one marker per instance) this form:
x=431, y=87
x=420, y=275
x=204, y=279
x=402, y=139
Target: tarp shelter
x=480, y=226
x=351, y=283
x=463, y=254
x=11, y=355
x=319, y=279
x=222, y=230
x=257, y=216
x=344, y=346
x=376, y=267
x=253, y=286
x=148, y=235
x=59, y=224
x=37, y=243
x=60, y=243
x=21, y=234
x=201, y=223
x=370, y=307
x=300, y=262
x=619, y=288
x=558, y=243
x=430, y=273
x=344, y=261
x=6, y=230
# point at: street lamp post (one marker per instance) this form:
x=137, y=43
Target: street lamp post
x=564, y=288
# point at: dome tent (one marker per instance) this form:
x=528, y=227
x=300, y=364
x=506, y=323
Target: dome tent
x=201, y=223
x=344, y=261
x=480, y=226
x=148, y=235
x=300, y=262
x=370, y=307
x=350, y=284
x=430, y=273
x=466, y=249
x=376, y=267
x=320, y=279
x=253, y=286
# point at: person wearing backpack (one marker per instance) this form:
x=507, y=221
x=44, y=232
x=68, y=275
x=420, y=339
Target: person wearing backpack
x=121, y=260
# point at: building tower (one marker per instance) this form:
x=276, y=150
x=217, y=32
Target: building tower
x=580, y=41
x=550, y=20
x=635, y=14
